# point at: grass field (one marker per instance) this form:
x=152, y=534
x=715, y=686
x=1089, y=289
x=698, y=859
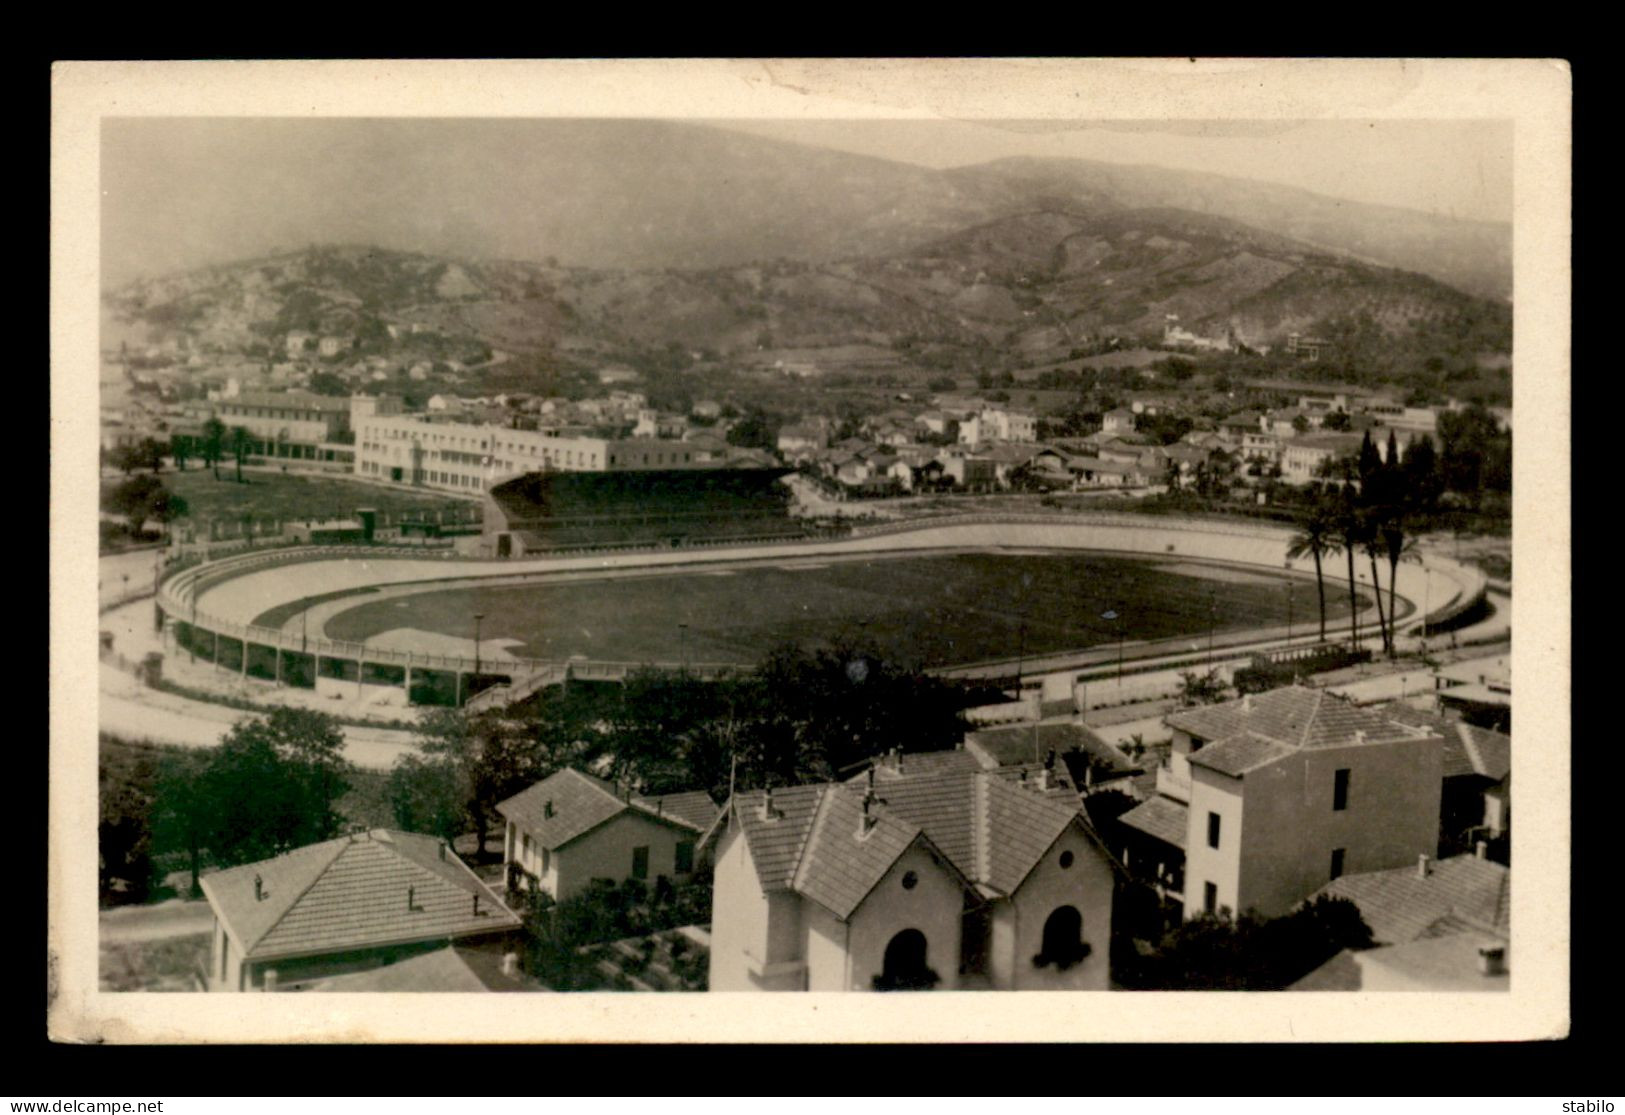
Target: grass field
x=275, y=495
x=931, y=611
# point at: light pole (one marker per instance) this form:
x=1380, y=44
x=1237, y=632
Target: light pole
x=1212, y=620
x=1289, y=608
x=478, y=616
x=1110, y=616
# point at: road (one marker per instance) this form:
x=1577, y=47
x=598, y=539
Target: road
x=175, y=918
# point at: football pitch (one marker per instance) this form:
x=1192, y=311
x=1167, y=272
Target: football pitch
x=929, y=611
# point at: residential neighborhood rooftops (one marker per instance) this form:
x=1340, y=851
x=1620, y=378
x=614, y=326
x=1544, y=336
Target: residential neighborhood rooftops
x=570, y=804
x=1015, y=744
x=993, y=830
x=368, y=889
x=1161, y=817
x=1295, y=716
x=1405, y=903
x=1468, y=749
x=449, y=969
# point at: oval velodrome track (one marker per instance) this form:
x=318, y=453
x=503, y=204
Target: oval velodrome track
x=300, y=592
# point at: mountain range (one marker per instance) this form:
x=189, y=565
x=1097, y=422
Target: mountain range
x=642, y=195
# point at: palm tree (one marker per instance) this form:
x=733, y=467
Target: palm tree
x=1398, y=548
x=1349, y=533
x=1316, y=539
x=1371, y=543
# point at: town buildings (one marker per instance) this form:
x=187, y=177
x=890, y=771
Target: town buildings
x=949, y=879
x=1265, y=799
x=352, y=904
x=571, y=828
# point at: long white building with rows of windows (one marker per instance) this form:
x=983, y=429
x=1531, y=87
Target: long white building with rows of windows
x=456, y=456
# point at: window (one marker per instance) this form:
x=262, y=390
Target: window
x=1337, y=862
x=1212, y=830
x=640, y=862
x=910, y=880
x=1340, y=791
x=1210, y=897
x=1066, y=860
x=685, y=857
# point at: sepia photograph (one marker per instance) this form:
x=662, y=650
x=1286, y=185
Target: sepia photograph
x=648, y=536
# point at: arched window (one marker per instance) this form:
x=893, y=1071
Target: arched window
x=1063, y=944
x=904, y=967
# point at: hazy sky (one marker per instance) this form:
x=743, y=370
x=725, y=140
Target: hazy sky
x=1456, y=168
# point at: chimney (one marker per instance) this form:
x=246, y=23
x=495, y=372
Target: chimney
x=1089, y=775
x=476, y=905
x=1481, y=849
x=411, y=898
x=1422, y=866
x=867, y=824
x=547, y=809
x=1359, y=735
x=259, y=888
x=869, y=778
x=510, y=964
x=1247, y=702
x=270, y=975
x=442, y=851
x=1492, y=961
x=768, y=812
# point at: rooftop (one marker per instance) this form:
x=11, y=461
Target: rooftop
x=569, y=804
x=1293, y=716
x=353, y=893
x=991, y=829
x=1403, y=905
x=1468, y=749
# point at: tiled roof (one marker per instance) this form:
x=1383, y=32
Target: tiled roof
x=1401, y=905
x=1161, y=817
x=992, y=830
x=693, y=808
x=352, y=893
x=1241, y=753
x=1447, y=963
x=1341, y=973
x=840, y=867
x=448, y=969
x=1468, y=749
x=1019, y=743
x=581, y=803
x=1293, y=715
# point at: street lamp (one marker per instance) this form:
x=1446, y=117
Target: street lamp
x=478, y=616
x=1110, y=616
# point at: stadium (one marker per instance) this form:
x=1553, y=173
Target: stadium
x=589, y=576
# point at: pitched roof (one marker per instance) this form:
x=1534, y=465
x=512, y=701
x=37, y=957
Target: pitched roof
x=842, y=862
x=448, y=969
x=1295, y=716
x=1468, y=749
x=1164, y=818
x=1241, y=753
x=581, y=802
x=1444, y=963
x=1402, y=905
x=1016, y=744
x=352, y=893
x=992, y=831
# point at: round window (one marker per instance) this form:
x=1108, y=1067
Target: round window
x=1066, y=859
x=910, y=880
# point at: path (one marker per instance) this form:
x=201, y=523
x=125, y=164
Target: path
x=174, y=918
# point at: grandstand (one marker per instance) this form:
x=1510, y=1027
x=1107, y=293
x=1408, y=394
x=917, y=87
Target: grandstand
x=549, y=511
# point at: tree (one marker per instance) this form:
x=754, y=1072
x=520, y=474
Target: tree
x=185, y=814
x=1371, y=543
x=278, y=779
x=1202, y=689
x=1317, y=538
x=1397, y=548
x=214, y=441
x=1337, y=421
x=149, y=454
x=1420, y=468
x=427, y=795
x=240, y=442
x=481, y=759
x=180, y=448
x=1350, y=531
x=135, y=499
x=756, y=430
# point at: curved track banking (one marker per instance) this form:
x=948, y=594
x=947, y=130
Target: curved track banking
x=279, y=581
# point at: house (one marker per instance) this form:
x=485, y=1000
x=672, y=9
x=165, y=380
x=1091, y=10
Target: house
x=1439, y=926
x=1305, y=348
x=1090, y=761
x=949, y=879
x=1475, y=796
x=1303, y=459
x=356, y=903
x=975, y=473
x=800, y=441
x=571, y=828
x=1117, y=421
x=332, y=346
x=706, y=408
x=297, y=342
x=1278, y=793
